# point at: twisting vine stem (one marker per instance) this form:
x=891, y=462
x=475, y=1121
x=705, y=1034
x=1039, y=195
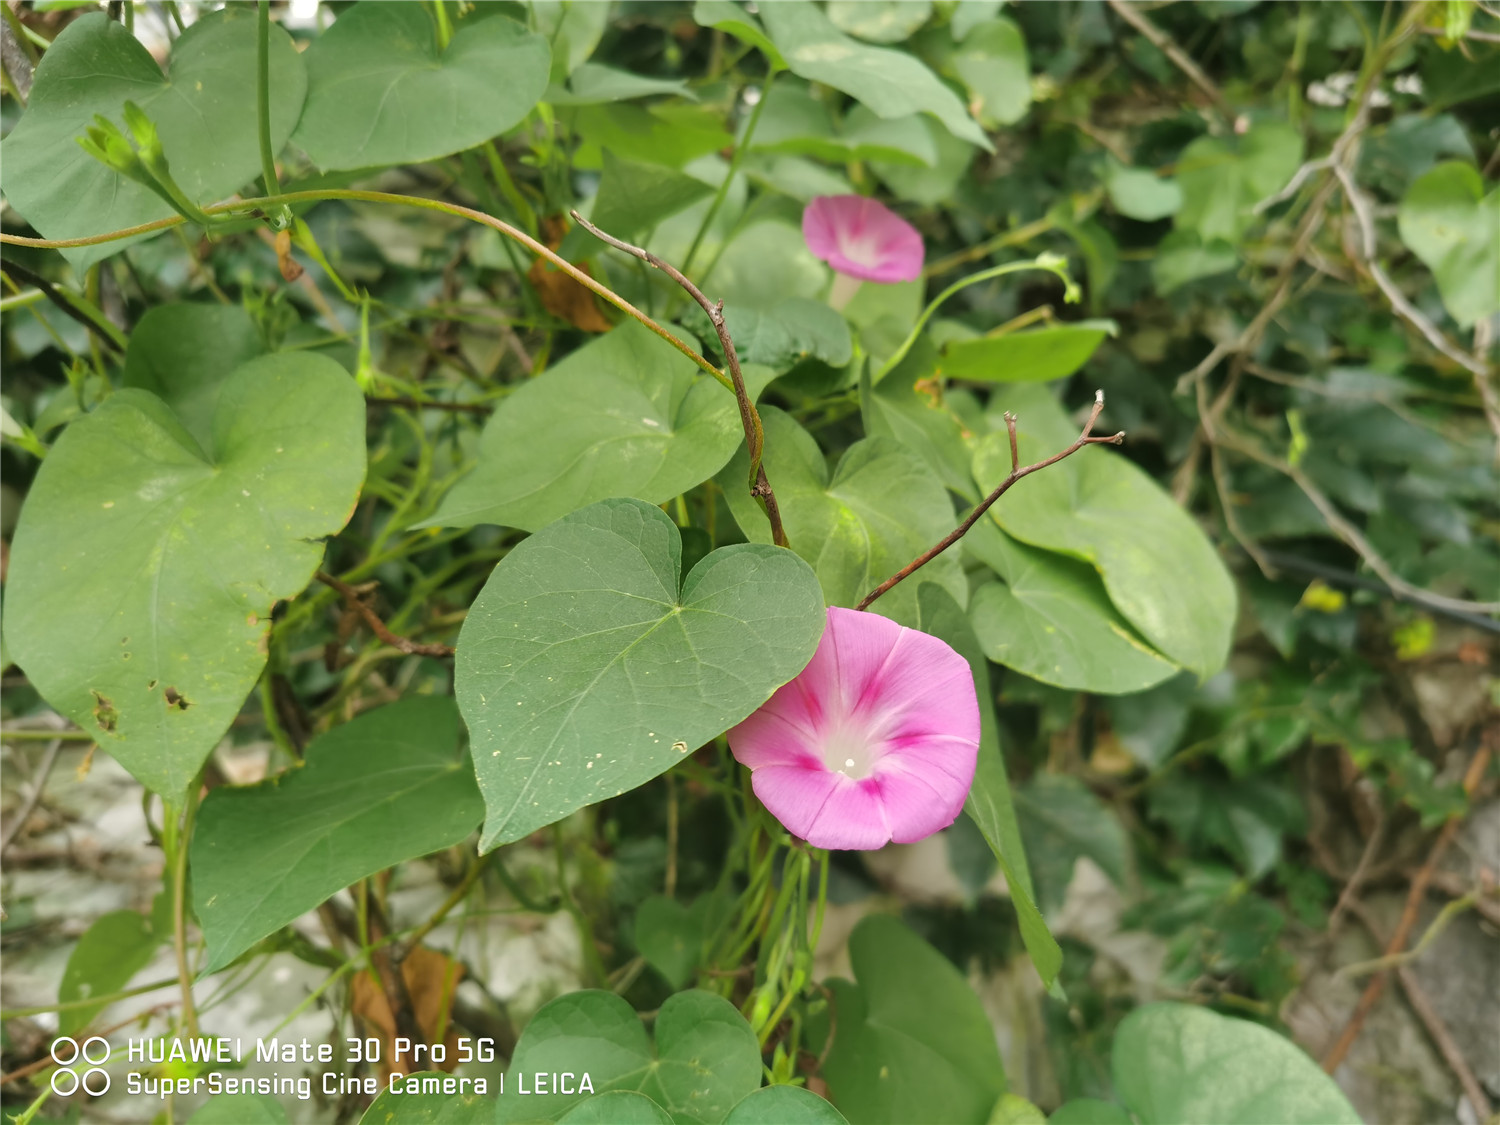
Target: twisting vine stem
x=1015, y=474
x=755, y=438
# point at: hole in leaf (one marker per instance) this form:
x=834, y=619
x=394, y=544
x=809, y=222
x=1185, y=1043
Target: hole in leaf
x=175, y=699
x=104, y=712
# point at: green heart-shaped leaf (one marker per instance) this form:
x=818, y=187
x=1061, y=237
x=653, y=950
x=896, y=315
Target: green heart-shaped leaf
x=911, y=1040
x=889, y=82
x=1034, y=356
x=383, y=788
x=144, y=570
x=1450, y=224
x=784, y=1105
x=584, y=670
x=1180, y=1062
x=1052, y=619
x=627, y=415
x=882, y=508
x=183, y=351
x=405, y=1106
x=380, y=91
x=203, y=108
x=669, y=935
x=1161, y=571
x=706, y=1057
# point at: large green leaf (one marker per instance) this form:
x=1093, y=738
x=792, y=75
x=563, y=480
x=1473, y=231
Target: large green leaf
x=1222, y=179
x=1034, y=356
x=386, y=787
x=911, y=1042
x=706, y=1058
x=627, y=415
x=882, y=508
x=891, y=83
x=919, y=419
x=408, y=1105
x=183, y=351
x=1052, y=620
x=111, y=951
x=239, y=1109
x=617, y=1107
x=784, y=1105
x=584, y=670
x=380, y=91
x=992, y=62
x=879, y=21
x=634, y=197
x=144, y=570
x=1185, y=1065
x=930, y=186
x=989, y=802
x=731, y=17
x=203, y=108
x=797, y=328
x=1161, y=571
x=1450, y=224
x=1061, y=821
x=797, y=123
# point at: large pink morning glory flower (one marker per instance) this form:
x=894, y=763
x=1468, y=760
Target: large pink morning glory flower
x=874, y=741
x=862, y=238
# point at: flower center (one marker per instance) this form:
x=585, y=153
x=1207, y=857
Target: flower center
x=850, y=750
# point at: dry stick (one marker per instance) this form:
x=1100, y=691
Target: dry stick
x=38, y=784
x=760, y=487
x=1397, y=944
x=1363, y=213
x=1436, y=1028
x=1168, y=46
x=1361, y=869
x=357, y=603
x=1015, y=474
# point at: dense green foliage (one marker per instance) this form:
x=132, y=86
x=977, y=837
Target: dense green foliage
x=268, y=459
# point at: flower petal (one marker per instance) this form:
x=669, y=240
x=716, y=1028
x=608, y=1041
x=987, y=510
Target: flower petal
x=918, y=800
x=863, y=238
x=828, y=810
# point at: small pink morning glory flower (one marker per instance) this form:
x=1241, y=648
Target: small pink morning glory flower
x=874, y=741
x=863, y=238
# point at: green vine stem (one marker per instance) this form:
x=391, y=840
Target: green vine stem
x=258, y=205
x=1052, y=263
x=734, y=166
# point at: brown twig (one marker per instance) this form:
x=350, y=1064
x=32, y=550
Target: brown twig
x=755, y=439
x=1015, y=474
x=423, y=404
x=1408, y=921
x=1417, y=997
x=38, y=784
x=355, y=600
x=1168, y=46
x=1350, y=893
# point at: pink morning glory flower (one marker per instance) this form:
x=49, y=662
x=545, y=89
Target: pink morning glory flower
x=874, y=741
x=863, y=238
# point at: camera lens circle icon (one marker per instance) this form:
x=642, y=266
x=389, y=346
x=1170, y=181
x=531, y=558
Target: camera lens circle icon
x=66, y=1051
x=65, y=1043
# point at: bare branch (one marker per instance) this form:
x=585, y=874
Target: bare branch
x=1168, y=46
x=1015, y=474
x=355, y=600
x=760, y=486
